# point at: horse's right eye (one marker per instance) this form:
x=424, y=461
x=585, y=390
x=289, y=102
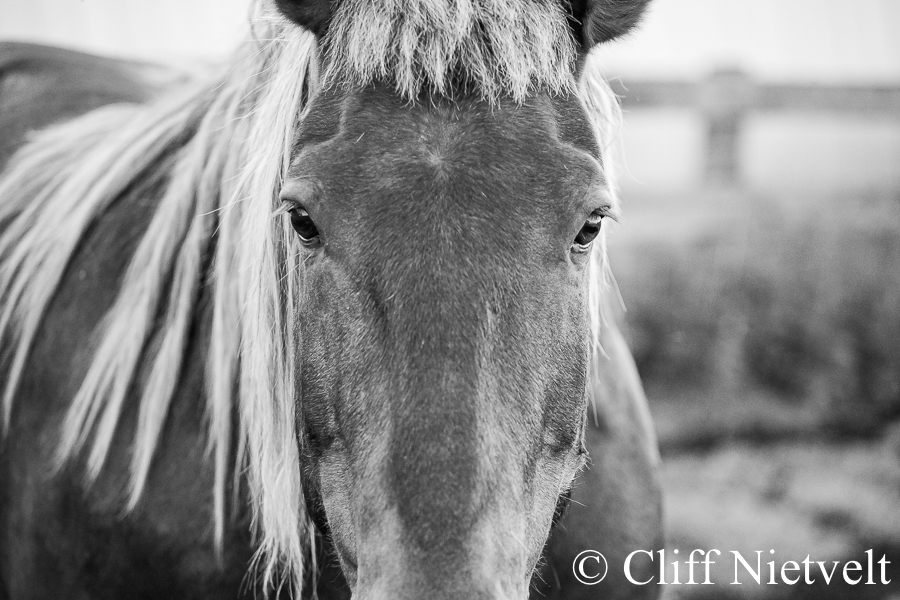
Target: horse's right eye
x=304, y=226
x=588, y=233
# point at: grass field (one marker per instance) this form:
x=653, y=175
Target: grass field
x=792, y=302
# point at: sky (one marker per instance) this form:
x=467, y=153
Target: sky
x=779, y=40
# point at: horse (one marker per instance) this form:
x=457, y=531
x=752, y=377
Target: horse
x=334, y=318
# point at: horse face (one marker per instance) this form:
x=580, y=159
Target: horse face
x=444, y=327
x=445, y=331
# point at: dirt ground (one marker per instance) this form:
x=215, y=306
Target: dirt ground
x=799, y=496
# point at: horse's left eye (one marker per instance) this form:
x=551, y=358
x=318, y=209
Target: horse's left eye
x=589, y=231
x=304, y=226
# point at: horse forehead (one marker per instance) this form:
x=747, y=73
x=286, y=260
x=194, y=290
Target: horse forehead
x=467, y=126
x=376, y=111
x=370, y=147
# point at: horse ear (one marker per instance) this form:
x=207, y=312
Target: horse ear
x=598, y=21
x=311, y=14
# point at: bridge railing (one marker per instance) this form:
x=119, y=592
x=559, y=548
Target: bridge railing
x=727, y=97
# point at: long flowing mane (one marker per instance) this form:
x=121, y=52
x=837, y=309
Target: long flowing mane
x=223, y=144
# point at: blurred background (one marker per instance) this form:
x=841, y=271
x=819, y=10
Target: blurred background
x=759, y=259
x=758, y=255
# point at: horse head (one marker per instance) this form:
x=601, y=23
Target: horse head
x=448, y=189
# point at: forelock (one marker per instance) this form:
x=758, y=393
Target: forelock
x=492, y=48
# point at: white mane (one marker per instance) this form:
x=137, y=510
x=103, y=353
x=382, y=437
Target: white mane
x=225, y=143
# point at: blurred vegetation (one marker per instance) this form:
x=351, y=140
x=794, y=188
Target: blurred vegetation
x=767, y=332
x=801, y=308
